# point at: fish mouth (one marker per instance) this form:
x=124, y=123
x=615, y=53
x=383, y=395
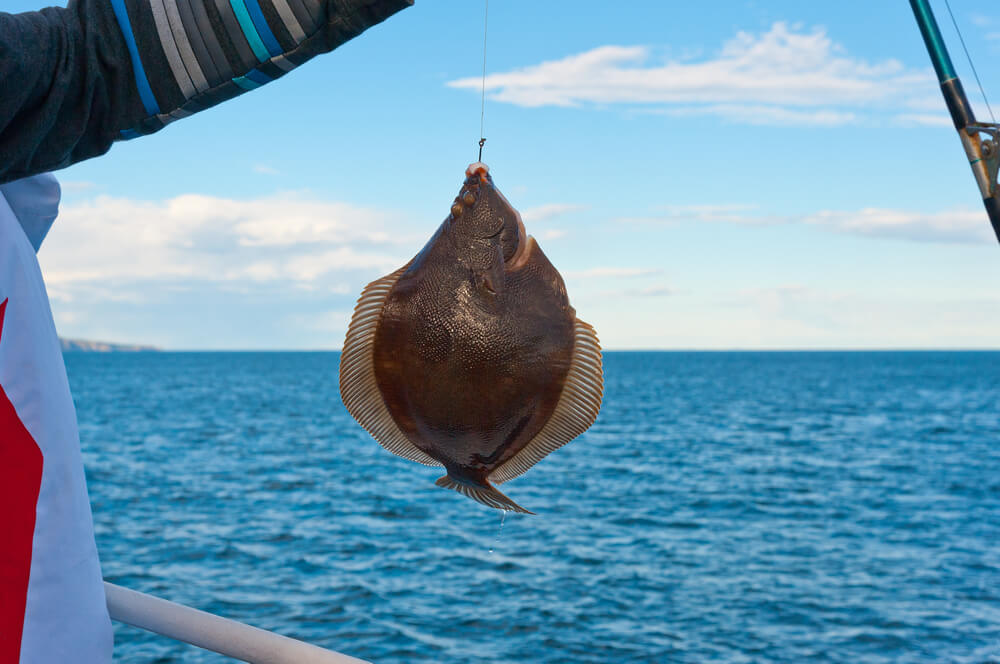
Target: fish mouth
x=478, y=168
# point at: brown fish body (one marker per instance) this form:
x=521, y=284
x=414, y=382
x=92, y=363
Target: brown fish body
x=471, y=356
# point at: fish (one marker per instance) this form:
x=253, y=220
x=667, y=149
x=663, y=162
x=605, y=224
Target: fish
x=470, y=356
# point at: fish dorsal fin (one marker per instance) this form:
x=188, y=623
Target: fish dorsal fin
x=576, y=410
x=358, y=387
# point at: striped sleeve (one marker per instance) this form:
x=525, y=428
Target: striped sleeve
x=193, y=54
x=76, y=79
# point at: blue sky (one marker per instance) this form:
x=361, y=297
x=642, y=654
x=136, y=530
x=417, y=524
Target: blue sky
x=780, y=175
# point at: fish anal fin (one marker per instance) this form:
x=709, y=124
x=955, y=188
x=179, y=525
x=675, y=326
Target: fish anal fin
x=358, y=387
x=486, y=494
x=577, y=408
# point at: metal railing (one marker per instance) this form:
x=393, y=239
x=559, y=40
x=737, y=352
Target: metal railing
x=212, y=632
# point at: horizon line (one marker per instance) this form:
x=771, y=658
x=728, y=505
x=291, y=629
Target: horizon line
x=735, y=349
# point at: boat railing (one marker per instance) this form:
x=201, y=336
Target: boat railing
x=211, y=632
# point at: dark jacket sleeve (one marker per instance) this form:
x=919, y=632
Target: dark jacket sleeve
x=74, y=80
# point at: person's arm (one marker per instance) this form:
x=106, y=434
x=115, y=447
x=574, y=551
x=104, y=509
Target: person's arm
x=74, y=80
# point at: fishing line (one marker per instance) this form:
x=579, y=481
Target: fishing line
x=969, y=58
x=482, y=105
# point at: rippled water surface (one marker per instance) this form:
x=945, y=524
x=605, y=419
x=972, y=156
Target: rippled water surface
x=726, y=507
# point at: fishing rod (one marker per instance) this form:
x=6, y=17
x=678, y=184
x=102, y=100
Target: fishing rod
x=981, y=140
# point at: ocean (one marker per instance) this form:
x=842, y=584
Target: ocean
x=725, y=507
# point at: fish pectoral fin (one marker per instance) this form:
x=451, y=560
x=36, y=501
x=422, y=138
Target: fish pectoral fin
x=486, y=494
x=576, y=410
x=358, y=387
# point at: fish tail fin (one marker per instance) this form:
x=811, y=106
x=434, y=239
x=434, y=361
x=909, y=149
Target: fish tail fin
x=486, y=494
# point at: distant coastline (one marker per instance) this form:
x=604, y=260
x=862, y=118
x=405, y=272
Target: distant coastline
x=84, y=346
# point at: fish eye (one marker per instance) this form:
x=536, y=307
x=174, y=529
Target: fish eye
x=456, y=209
x=469, y=198
x=484, y=283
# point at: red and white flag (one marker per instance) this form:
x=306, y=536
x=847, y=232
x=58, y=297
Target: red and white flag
x=52, y=604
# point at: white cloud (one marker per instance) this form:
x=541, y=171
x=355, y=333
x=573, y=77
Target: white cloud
x=792, y=302
x=923, y=120
x=832, y=318
x=264, y=169
x=75, y=186
x=785, y=75
x=987, y=23
x=648, y=291
x=733, y=213
x=769, y=115
x=549, y=211
x=613, y=272
x=311, y=266
x=115, y=247
x=654, y=291
x=952, y=226
x=959, y=225
x=335, y=321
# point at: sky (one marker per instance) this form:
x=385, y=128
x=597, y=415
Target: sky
x=779, y=175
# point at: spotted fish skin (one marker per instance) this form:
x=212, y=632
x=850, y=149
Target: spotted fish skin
x=471, y=348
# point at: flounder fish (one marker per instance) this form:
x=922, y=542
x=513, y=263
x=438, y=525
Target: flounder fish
x=470, y=356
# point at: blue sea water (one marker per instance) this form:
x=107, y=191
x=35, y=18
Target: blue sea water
x=726, y=507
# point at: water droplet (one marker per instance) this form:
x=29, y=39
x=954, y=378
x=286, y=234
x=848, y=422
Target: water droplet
x=503, y=515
